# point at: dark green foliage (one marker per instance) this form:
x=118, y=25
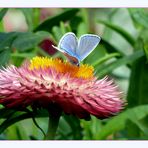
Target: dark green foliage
x=55, y=21
x=3, y=12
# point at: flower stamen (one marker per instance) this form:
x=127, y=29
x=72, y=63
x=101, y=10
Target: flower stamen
x=83, y=71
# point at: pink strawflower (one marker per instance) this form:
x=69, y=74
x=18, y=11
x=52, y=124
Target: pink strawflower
x=47, y=82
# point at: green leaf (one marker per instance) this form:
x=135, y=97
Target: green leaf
x=69, y=128
x=17, y=116
x=3, y=12
x=11, y=121
x=29, y=40
x=91, y=129
x=4, y=57
x=144, y=41
x=133, y=114
x=146, y=50
x=63, y=28
x=138, y=89
x=82, y=29
x=74, y=123
x=139, y=16
x=57, y=33
x=6, y=40
x=23, y=55
x=74, y=23
x=55, y=21
x=36, y=16
x=28, y=13
x=105, y=69
x=84, y=13
x=6, y=113
x=110, y=48
x=119, y=30
x=105, y=58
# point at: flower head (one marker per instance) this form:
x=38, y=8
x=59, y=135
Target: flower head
x=44, y=82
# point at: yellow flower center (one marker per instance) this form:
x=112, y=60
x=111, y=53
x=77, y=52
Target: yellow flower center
x=83, y=71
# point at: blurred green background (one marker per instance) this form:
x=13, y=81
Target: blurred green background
x=122, y=54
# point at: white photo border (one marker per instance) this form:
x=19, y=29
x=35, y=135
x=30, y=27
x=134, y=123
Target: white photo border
x=73, y=3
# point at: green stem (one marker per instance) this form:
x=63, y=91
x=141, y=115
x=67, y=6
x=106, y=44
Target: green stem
x=52, y=126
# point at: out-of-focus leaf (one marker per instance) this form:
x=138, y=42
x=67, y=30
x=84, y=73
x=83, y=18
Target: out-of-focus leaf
x=6, y=113
x=55, y=21
x=83, y=26
x=122, y=61
x=139, y=16
x=4, y=57
x=6, y=40
x=3, y=12
x=84, y=13
x=63, y=28
x=110, y=48
x=69, y=128
x=28, y=13
x=32, y=137
x=105, y=58
x=18, y=133
x=138, y=128
x=23, y=55
x=138, y=89
x=57, y=33
x=29, y=40
x=74, y=123
x=11, y=121
x=64, y=131
x=91, y=129
x=144, y=41
x=133, y=114
x=82, y=29
x=19, y=116
x=146, y=50
x=75, y=22
x=36, y=16
x=119, y=30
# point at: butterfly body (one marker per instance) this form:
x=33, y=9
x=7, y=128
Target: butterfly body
x=77, y=50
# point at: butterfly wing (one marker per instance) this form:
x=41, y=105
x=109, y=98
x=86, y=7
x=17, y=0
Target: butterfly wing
x=86, y=44
x=68, y=43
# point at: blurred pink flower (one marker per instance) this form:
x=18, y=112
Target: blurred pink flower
x=47, y=46
x=14, y=20
x=47, y=82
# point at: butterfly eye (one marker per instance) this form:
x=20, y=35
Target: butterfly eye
x=78, y=64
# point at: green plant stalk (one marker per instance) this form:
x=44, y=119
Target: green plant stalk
x=52, y=125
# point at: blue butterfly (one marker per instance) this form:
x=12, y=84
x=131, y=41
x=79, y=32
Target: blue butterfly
x=76, y=49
